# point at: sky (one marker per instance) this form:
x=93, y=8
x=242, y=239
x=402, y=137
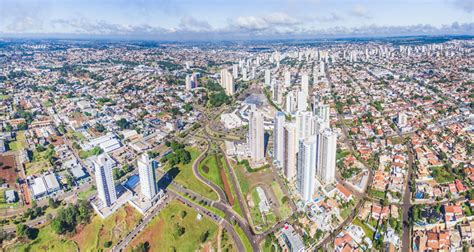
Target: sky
x=234, y=19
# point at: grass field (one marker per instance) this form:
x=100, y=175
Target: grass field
x=442, y=175
x=285, y=209
x=40, y=161
x=243, y=182
x=368, y=232
x=162, y=232
x=19, y=143
x=257, y=216
x=86, y=194
x=186, y=177
x=47, y=240
x=92, y=236
x=37, y=167
x=209, y=169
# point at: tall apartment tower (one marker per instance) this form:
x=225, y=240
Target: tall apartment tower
x=278, y=138
x=188, y=84
x=290, y=141
x=302, y=99
x=304, y=124
x=235, y=71
x=227, y=82
x=326, y=167
x=146, y=172
x=287, y=77
x=290, y=105
x=322, y=111
x=256, y=135
x=305, y=84
x=305, y=177
x=244, y=74
x=267, y=77
x=104, y=180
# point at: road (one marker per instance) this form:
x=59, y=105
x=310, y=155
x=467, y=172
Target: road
x=406, y=238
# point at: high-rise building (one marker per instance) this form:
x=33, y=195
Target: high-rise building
x=256, y=139
x=267, y=77
x=304, y=124
x=306, y=173
x=290, y=105
x=227, y=82
x=194, y=80
x=253, y=73
x=244, y=74
x=104, y=180
x=322, y=111
x=278, y=138
x=305, y=84
x=146, y=172
x=326, y=167
x=287, y=76
x=291, y=148
x=188, y=83
x=302, y=101
x=402, y=120
x=321, y=68
x=235, y=71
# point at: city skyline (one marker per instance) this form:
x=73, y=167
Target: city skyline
x=210, y=20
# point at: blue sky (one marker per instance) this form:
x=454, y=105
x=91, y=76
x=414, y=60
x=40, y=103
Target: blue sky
x=228, y=19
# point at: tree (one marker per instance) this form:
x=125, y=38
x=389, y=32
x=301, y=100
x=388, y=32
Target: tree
x=99, y=127
x=204, y=236
x=142, y=247
x=107, y=244
x=123, y=123
x=53, y=203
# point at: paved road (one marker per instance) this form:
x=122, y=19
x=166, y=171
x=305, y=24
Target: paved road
x=406, y=238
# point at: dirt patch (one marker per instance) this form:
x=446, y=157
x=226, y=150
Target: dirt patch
x=205, y=169
x=56, y=140
x=8, y=169
x=149, y=235
x=227, y=190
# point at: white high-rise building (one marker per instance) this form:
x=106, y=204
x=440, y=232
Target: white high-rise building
x=305, y=84
x=287, y=76
x=326, y=168
x=244, y=74
x=304, y=124
x=188, y=83
x=147, y=176
x=227, y=82
x=290, y=105
x=290, y=150
x=235, y=71
x=322, y=111
x=321, y=68
x=256, y=139
x=278, y=138
x=253, y=73
x=302, y=101
x=306, y=173
x=104, y=180
x=267, y=77
x=402, y=120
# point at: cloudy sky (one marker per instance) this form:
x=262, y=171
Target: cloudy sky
x=234, y=19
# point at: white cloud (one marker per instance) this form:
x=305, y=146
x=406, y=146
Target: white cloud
x=360, y=11
x=193, y=24
x=273, y=20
